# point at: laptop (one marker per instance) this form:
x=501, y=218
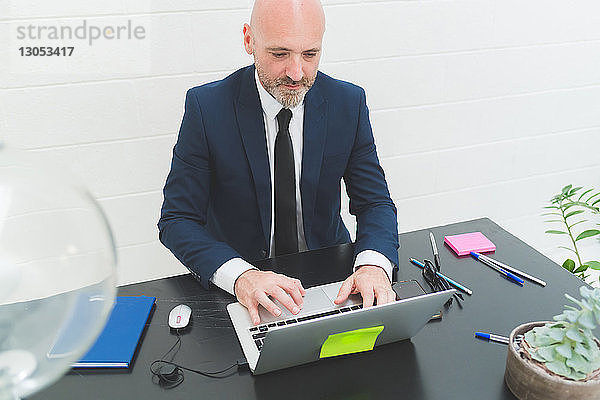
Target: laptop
x=290, y=340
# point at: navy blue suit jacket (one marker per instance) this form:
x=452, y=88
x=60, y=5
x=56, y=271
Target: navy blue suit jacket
x=217, y=197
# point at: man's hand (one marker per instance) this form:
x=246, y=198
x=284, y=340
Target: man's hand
x=254, y=287
x=371, y=282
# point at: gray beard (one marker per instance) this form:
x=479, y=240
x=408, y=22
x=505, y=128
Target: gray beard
x=286, y=97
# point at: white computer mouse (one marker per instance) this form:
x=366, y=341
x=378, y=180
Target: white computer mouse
x=180, y=316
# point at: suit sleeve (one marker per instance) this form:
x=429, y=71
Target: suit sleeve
x=182, y=224
x=367, y=189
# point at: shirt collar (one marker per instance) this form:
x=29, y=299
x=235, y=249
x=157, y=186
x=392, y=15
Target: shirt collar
x=270, y=106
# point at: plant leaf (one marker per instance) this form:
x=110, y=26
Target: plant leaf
x=581, y=268
x=530, y=338
x=572, y=191
x=556, y=232
x=566, y=189
x=569, y=265
x=579, y=364
x=586, y=234
x=564, y=350
x=574, y=334
x=555, y=207
x=573, y=299
x=547, y=353
x=583, y=351
x=597, y=315
x=542, y=330
x=577, y=223
x=586, y=320
x=542, y=338
x=584, y=193
x=557, y=334
x=585, y=292
x=581, y=204
x=593, y=264
x=560, y=318
x=559, y=367
x=571, y=204
x=552, y=213
x=536, y=356
x=566, y=248
x=558, y=324
x=573, y=213
x=571, y=315
x=586, y=304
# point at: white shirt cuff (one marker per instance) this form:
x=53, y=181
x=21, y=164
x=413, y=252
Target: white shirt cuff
x=227, y=274
x=372, y=257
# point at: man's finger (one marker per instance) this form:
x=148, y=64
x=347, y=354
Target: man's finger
x=293, y=290
x=383, y=296
x=271, y=307
x=391, y=296
x=278, y=293
x=253, y=311
x=368, y=297
x=300, y=287
x=345, y=290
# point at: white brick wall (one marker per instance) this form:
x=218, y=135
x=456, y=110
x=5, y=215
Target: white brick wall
x=479, y=108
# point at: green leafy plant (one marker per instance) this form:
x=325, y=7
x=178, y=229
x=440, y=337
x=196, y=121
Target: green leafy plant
x=568, y=347
x=567, y=209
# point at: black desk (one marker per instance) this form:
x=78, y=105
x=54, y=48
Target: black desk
x=443, y=361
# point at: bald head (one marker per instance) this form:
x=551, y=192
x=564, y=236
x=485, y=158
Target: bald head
x=288, y=15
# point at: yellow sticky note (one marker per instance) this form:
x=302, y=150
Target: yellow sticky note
x=350, y=342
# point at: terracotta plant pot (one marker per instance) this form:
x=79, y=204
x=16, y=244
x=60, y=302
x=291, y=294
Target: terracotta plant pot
x=528, y=380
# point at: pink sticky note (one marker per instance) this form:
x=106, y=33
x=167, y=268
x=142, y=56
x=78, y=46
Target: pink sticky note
x=465, y=243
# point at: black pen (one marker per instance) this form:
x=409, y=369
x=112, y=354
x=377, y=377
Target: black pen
x=436, y=255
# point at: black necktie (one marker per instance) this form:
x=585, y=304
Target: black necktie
x=286, y=232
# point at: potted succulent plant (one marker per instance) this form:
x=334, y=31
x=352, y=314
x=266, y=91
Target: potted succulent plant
x=560, y=359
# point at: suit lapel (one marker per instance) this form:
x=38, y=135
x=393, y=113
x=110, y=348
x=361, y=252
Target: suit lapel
x=315, y=129
x=252, y=130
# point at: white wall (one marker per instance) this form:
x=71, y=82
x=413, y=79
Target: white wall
x=479, y=108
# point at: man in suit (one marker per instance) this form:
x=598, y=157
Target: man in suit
x=257, y=167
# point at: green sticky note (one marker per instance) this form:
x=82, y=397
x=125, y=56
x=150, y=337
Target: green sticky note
x=350, y=342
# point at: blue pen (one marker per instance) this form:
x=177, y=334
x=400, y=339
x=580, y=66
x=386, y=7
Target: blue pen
x=492, y=337
x=514, y=270
x=506, y=274
x=450, y=281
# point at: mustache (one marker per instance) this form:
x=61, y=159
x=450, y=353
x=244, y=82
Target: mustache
x=289, y=81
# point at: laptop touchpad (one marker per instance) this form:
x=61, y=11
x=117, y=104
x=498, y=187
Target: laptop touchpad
x=314, y=300
x=332, y=290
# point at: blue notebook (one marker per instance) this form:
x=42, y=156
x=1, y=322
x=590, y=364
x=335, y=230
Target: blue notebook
x=119, y=339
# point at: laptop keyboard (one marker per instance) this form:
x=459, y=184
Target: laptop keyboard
x=259, y=332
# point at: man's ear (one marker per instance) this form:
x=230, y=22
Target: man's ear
x=248, y=40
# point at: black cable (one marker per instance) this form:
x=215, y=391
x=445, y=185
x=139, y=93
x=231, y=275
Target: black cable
x=204, y=373
x=175, y=377
x=172, y=347
x=171, y=379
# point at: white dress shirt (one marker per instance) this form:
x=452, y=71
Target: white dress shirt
x=227, y=274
